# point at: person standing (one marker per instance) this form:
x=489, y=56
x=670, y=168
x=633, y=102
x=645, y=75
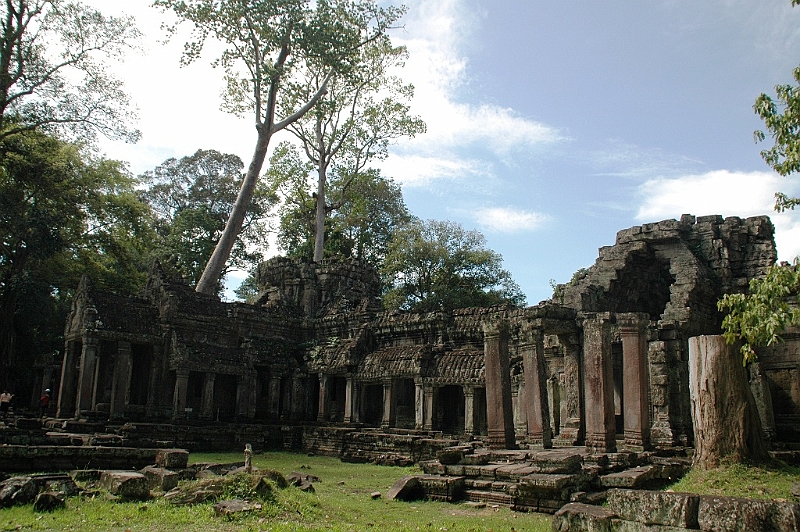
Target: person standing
x=5, y=402
x=44, y=403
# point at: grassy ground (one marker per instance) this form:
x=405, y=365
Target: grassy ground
x=738, y=480
x=341, y=502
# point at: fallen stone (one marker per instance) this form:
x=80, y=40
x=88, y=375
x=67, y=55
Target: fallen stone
x=307, y=486
x=630, y=478
x=474, y=504
x=48, y=501
x=182, y=498
x=734, y=514
x=375, y=494
x=159, y=478
x=405, y=489
x=579, y=517
x=796, y=490
x=655, y=507
x=296, y=479
x=17, y=490
x=235, y=506
x=85, y=475
x=127, y=485
x=172, y=458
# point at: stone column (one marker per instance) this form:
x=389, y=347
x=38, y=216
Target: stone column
x=536, y=406
x=179, y=395
x=358, y=399
x=322, y=411
x=499, y=412
x=469, y=410
x=67, y=389
x=207, y=401
x=246, y=395
x=388, y=405
x=298, y=399
x=348, y=398
x=428, y=391
x=121, y=380
x=86, y=373
x=571, y=431
x=598, y=384
x=419, y=404
x=158, y=398
x=274, y=397
x=633, y=330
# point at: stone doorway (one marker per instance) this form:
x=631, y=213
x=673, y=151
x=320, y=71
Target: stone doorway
x=619, y=395
x=450, y=411
x=225, y=397
x=372, y=405
x=405, y=410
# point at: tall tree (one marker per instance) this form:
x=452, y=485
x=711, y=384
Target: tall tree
x=369, y=208
x=352, y=125
x=62, y=214
x=53, y=75
x=264, y=41
x=191, y=198
x=434, y=265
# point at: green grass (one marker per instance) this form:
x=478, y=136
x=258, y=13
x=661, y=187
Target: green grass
x=738, y=480
x=341, y=502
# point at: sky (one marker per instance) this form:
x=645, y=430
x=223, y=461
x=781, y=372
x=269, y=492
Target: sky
x=551, y=125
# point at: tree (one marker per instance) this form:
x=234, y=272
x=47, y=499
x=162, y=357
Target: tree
x=369, y=208
x=758, y=317
x=352, y=125
x=62, y=214
x=53, y=58
x=435, y=265
x=264, y=42
x=191, y=198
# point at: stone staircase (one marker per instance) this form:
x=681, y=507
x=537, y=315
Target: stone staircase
x=537, y=480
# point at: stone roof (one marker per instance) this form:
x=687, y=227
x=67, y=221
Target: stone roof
x=460, y=366
x=392, y=362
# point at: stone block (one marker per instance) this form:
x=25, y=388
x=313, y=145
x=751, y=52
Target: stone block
x=405, y=489
x=655, y=507
x=629, y=478
x=621, y=525
x=127, y=485
x=159, y=478
x=579, y=517
x=48, y=502
x=172, y=458
x=734, y=514
x=17, y=490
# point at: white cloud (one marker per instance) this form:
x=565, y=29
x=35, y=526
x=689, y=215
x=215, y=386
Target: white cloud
x=509, y=219
x=727, y=193
x=436, y=32
x=419, y=170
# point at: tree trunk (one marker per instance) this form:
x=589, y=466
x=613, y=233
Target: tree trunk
x=319, y=220
x=222, y=251
x=724, y=413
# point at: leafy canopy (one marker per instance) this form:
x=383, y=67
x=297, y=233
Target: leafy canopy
x=435, y=265
x=758, y=318
x=54, y=56
x=191, y=198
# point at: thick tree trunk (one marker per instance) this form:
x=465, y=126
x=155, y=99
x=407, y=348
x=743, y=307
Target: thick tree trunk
x=319, y=221
x=724, y=413
x=222, y=251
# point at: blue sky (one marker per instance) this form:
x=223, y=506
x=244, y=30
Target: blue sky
x=551, y=125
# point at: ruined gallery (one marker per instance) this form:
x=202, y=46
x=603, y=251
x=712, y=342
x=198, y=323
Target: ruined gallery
x=316, y=363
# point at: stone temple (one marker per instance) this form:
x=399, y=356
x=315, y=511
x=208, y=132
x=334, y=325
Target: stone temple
x=317, y=365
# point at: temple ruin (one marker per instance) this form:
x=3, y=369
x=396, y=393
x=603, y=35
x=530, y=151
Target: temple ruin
x=603, y=365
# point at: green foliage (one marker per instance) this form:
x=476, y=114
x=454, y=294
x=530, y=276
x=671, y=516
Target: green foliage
x=741, y=480
x=759, y=317
x=62, y=214
x=781, y=117
x=53, y=70
x=362, y=111
x=434, y=265
x=192, y=198
x=369, y=208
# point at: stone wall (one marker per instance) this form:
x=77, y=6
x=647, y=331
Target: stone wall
x=634, y=510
